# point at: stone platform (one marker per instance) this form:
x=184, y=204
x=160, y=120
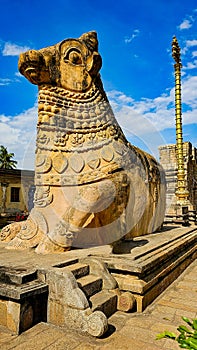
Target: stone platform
x=145, y=267
x=149, y=264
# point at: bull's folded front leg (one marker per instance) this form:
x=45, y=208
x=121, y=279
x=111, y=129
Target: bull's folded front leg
x=61, y=238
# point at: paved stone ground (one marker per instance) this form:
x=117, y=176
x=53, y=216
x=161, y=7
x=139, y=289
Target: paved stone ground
x=127, y=331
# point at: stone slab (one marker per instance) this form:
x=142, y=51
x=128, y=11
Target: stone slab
x=16, y=276
x=154, y=252
x=23, y=291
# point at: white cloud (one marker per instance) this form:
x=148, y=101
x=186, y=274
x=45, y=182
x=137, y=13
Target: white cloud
x=186, y=24
x=18, y=74
x=121, y=97
x=135, y=33
x=5, y=81
x=11, y=49
x=191, y=65
x=145, y=115
x=18, y=135
x=147, y=118
x=189, y=92
x=8, y=81
x=190, y=43
x=190, y=53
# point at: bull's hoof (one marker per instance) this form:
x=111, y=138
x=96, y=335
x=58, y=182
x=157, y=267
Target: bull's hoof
x=31, y=232
x=46, y=246
x=28, y=237
x=10, y=231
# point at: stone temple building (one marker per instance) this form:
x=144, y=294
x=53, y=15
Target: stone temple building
x=16, y=193
x=168, y=160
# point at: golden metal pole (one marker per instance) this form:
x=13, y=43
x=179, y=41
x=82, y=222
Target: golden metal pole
x=181, y=192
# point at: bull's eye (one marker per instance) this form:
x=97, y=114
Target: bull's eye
x=73, y=56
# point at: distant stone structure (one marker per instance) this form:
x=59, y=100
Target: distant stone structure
x=168, y=159
x=92, y=186
x=14, y=192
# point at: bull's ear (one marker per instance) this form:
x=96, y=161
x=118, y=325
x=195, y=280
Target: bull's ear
x=90, y=40
x=94, y=63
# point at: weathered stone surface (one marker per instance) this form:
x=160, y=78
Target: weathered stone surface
x=69, y=307
x=92, y=186
x=78, y=269
x=126, y=301
x=99, y=268
x=90, y=284
x=64, y=289
x=19, y=292
x=10, y=315
x=23, y=298
x=105, y=301
x=15, y=316
x=13, y=275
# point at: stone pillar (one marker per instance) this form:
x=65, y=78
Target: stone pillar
x=4, y=186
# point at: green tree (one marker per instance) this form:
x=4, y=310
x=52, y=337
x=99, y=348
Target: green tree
x=6, y=161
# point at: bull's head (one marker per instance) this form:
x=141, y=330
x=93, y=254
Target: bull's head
x=71, y=64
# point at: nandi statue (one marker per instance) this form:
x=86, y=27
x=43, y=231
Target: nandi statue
x=92, y=186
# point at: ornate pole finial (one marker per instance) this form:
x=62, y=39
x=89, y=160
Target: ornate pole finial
x=181, y=192
x=176, y=51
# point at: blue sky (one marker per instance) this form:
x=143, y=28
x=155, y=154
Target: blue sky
x=138, y=75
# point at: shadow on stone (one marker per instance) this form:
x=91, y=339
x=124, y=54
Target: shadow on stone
x=167, y=228
x=125, y=247
x=110, y=331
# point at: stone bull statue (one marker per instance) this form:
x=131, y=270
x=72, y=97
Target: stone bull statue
x=92, y=186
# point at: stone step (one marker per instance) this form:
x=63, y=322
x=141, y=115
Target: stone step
x=104, y=301
x=66, y=263
x=78, y=269
x=90, y=284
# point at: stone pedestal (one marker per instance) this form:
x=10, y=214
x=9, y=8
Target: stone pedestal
x=23, y=299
